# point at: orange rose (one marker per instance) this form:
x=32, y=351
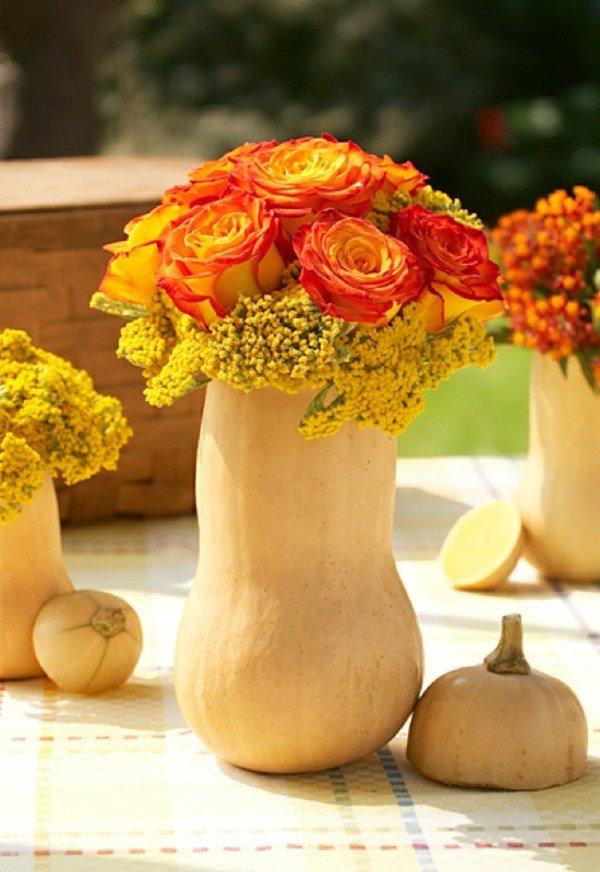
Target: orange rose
x=218, y=251
x=460, y=277
x=299, y=177
x=132, y=271
x=354, y=271
x=211, y=179
x=402, y=177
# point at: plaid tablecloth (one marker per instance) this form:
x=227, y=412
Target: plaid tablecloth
x=119, y=783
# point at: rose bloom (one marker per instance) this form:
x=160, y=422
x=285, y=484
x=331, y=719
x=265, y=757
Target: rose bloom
x=354, y=271
x=218, y=251
x=211, y=179
x=403, y=177
x=302, y=176
x=460, y=277
x=132, y=270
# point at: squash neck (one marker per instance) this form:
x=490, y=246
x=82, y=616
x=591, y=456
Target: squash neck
x=268, y=499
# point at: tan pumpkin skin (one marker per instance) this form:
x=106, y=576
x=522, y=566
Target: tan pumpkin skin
x=475, y=728
x=559, y=492
x=31, y=571
x=77, y=657
x=299, y=649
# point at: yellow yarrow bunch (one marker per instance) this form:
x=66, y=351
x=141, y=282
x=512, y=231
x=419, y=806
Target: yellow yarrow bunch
x=51, y=421
x=387, y=371
x=375, y=377
x=279, y=340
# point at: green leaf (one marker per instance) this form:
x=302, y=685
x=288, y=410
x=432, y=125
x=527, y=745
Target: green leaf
x=586, y=367
x=201, y=382
x=117, y=307
x=563, y=362
x=595, y=312
x=500, y=330
x=317, y=403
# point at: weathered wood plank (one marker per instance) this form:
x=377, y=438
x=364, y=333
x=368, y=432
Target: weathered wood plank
x=55, y=216
x=81, y=182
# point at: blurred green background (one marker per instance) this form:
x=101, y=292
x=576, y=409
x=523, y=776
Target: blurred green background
x=498, y=101
x=476, y=412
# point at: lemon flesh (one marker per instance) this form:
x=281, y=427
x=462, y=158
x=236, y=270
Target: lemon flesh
x=483, y=547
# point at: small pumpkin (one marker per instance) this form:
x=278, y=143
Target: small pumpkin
x=499, y=724
x=87, y=641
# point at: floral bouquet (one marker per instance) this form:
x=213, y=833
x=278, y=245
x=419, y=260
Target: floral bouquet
x=551, y=261
x=551, y=274
x=52, y=421
x=306, y=264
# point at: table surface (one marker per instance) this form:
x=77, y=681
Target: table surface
x=118, y=782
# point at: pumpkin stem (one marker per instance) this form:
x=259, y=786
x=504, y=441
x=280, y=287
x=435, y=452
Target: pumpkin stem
x=507, y=657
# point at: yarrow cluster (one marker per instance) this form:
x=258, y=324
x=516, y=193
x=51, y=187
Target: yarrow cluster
x=305, y=264
x=551, y=267
x=52, y=421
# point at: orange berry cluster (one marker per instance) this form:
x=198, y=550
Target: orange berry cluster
x=549, y=259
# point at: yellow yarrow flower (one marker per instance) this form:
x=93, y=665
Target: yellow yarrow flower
x=283, y=342
x=384, y=206
x=51, y=421
x=21, y=474
x=279, y=340
x=388, y=370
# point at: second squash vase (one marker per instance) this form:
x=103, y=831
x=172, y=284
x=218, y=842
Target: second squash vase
x=559, y=493
x=299, y=649
x=31, y=571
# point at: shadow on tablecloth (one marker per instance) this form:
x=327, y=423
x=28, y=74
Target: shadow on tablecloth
x=421, y=522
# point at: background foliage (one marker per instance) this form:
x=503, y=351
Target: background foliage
x=500, y=101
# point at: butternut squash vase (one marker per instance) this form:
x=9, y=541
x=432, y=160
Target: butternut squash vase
x=559, y=493
x=31, y=572
x=299, y=649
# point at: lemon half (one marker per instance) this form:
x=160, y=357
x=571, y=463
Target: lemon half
x=483, y=547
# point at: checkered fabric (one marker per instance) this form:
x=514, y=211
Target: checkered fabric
x=119, y=783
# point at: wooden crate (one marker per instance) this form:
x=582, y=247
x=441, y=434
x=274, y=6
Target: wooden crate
x=55, y=215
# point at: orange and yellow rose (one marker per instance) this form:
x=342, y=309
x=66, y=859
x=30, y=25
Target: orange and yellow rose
x=300, y=177
x=237, y=223
x=218, y=251
x=132, y=270
x=460, y=277
x=402, y=177
x=354, y=271
x=211, y=179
